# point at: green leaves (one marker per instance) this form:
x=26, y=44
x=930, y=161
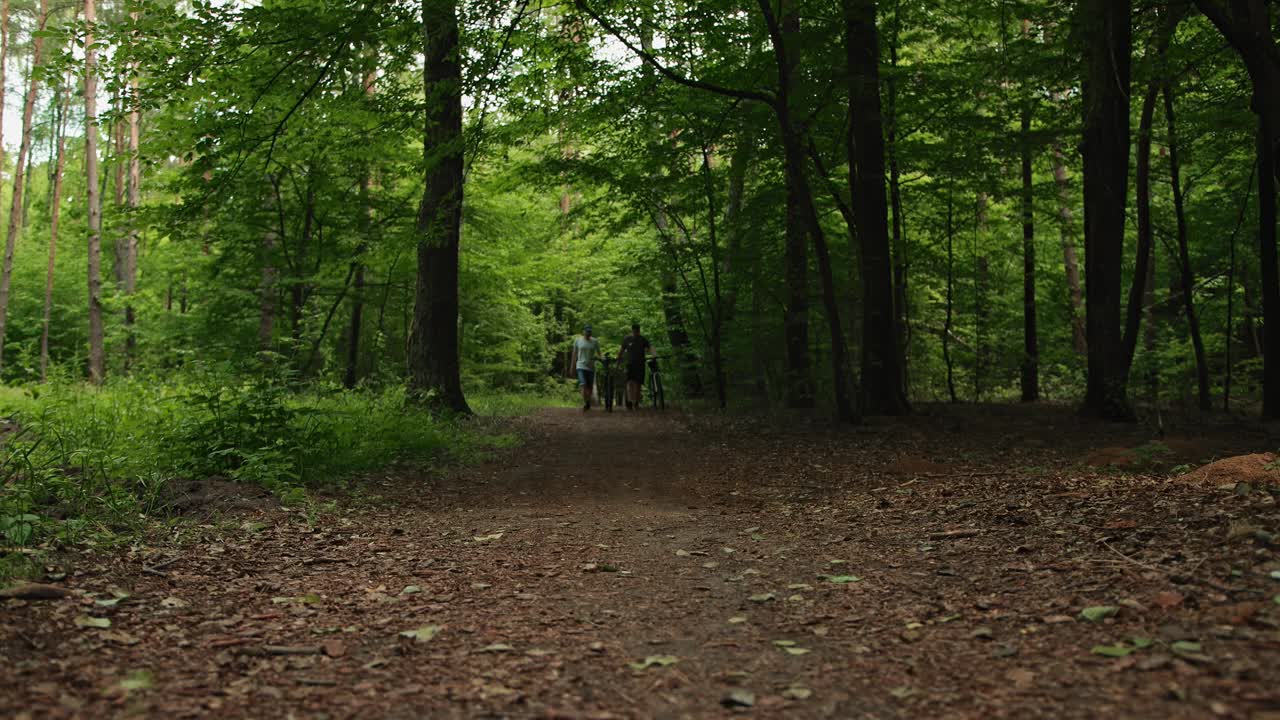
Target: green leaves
x=658, y=661
x=1097, y=613
x=86, y=621
x=422, y=634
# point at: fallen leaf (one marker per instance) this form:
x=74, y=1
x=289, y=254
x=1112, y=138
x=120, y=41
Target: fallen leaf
x=1020, y=677
x=797, y=650
x=763, y=598
x=796, y=692
x=654, y=661
x=841, y=579
x=903, y=692
x=1167, y=600
x=92, y=622
x=1056, y=619
x=120, y=638
x=487, y=538
x=334, y=648
x=1120, y=525
x=1098, y=612
x=1114, y=651
x=496, y=648
x=982, y=633
x=1185, y=646
x=422, y=634
x=682, y=553
x=137, y=680
x=737, y=697
x=410, y=590
x=784, y=643
x=173, y=602
x=736, y=619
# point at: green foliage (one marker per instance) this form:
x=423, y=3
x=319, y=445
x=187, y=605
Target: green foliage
x=88, y=461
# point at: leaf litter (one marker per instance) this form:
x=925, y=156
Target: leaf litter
x=1028, y=536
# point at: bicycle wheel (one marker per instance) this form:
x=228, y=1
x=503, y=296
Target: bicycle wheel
x=660, y=399
x=608, y=391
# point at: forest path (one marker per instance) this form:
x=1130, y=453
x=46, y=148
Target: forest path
x=931, y=568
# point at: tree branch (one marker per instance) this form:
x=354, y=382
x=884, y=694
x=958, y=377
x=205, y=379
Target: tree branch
x=670, y=74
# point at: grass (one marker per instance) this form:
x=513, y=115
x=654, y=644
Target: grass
x=93, y=464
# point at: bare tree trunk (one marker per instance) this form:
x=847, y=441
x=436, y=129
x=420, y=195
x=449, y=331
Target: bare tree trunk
x=1070, y=263
x=434, y=363
x=24, y=148
x=799, y=383
x=1142, y=202
x=267, y=288
x=1246, y=24
x=946, y=328
x=135, y=202
x=882, y=376
x=1184, y=255
x=1108, y=26
x=55, y=211
x=357, y=299
x=982, y=355
x=1030, y=375
x=97, y=354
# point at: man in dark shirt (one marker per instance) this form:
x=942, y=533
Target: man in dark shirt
x=634, y=347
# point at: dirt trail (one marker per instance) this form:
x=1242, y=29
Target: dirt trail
x=807, y=572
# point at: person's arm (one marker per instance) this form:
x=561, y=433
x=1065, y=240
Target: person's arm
x=573, y=358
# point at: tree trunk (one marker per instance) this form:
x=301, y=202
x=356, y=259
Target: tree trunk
x=93, y=199
x=1270, y=274
x=982, y=355
x=55, y=211
x=798, y=379
x=1066, y=222
x=267, y=288
x=19, y=177
x=882, y=387
x=1184, y=255
x=738, y=164
x=1142, y=201
x=1246, y=24
x=1107, y=27
x=946, y=328
x=1030, y=375
x=135, y=203
x=350, y=377
x=434, y=365
x=901, y=314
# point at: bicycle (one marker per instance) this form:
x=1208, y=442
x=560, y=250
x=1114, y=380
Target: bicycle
x=656, y=395
x=604, y=382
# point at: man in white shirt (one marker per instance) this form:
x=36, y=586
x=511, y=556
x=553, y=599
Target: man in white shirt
x=585, y=348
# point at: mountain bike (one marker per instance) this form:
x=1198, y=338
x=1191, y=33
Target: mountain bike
x=656, y=394
x=604, y=382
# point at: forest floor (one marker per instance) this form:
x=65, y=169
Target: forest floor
x=646, y=565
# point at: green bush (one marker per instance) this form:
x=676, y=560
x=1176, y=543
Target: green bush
x=85, y=458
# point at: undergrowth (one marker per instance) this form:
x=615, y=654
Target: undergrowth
x=83, y=463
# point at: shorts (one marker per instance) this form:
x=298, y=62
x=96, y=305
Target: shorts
x=635, y=373
x=586, y=377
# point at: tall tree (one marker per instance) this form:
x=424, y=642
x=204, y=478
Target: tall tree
x=882, y=387
x=130, y=254
x=1029, y=376
x=62, y=105
x=1246, y=24
x=93, y=198
x=434, y=364
x=1107, y=33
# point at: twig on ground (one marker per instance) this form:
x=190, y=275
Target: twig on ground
x=155, y=569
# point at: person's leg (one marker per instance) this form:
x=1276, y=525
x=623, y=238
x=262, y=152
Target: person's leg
x=584, y=382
